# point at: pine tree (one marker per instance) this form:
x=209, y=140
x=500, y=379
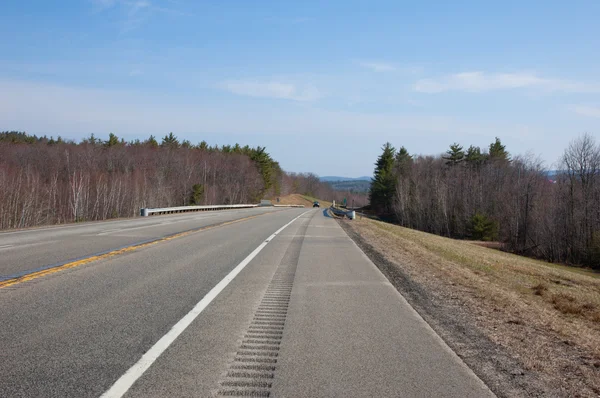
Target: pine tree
x=265, y=165
x=113, y=140
x=92, y=140
x=383, y=184
x=455, y=154
x=151, y=142
x=474, y=157
x=498, y=151
x=403, y=161
x=197, y=194
x=170, y=141
x=186, y=144
x=481, y=227
x=203, y=146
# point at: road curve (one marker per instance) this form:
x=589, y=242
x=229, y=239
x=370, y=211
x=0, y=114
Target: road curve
x=308, y=316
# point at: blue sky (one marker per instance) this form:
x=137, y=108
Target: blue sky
x=322, y=84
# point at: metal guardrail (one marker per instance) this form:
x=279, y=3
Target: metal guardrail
x=185, y=209
x=351, y=214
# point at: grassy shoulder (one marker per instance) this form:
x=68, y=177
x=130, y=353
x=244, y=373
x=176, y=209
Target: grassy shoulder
x=546, y=317
x=297, y=199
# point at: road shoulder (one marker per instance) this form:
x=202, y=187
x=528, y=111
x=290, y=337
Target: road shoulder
x=350, y=333
x=460, y=316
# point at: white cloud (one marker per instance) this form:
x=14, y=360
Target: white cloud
x=135, y=13
x=52, y=109
x=271, y=89
x=586, y=110
x=481, y=81
x=378, y=66
x=74, y=112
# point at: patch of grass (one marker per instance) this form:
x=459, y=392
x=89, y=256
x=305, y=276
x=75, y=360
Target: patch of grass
x=541, y=304
x=323, y=203
x=500, y=276
x=566, y=304
x=297, y=199
x=540, y=289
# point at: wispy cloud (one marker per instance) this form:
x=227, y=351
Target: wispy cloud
x=135, y=13
x=271, y=89
x=481, y=81
x=378, y=66
x=586, y=110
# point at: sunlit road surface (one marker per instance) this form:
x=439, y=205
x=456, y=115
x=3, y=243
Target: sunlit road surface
x=280, y=303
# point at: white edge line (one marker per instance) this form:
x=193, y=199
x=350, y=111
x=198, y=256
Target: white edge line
x=124, y=383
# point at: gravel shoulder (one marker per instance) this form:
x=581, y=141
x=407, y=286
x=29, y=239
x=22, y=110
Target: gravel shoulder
x=526, y=328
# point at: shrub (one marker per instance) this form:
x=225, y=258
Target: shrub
x=481, y=227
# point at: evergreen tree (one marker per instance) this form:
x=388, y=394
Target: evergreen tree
x=151, y=142
x=203, y=146
x=383, y=184
x=265, y=165
x=113, y=140
x=92, y=140
x=483, y=228
x=403, y=161
x=197, y=194
x=186, y=144
x=454, y=155
x=17, y=137
x=498, y=151
x=474, y=157
x=170, y=141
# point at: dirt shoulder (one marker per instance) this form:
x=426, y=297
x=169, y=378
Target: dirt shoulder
x=525, y=327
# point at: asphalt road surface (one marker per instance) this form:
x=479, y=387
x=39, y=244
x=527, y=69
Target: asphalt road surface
x=282, y=304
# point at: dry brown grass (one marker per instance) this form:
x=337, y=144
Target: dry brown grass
x=297, y=199
x=546, y=315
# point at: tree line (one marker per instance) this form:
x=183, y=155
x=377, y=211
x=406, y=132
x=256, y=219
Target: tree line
x=485, y=194
x=47, y=181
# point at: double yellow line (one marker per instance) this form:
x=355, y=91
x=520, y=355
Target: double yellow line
x=87, y=260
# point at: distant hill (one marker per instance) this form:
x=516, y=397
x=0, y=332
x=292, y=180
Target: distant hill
x=351, y=185
x=336, y=178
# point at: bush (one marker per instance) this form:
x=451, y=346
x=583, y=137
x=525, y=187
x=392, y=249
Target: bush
x=481, y=227
x=197, y=194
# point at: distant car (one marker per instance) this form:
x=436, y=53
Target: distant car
x=316, y=204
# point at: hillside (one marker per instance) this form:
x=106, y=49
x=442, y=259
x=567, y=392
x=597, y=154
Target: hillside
x=351, y=185
x=336, y=178
x=520, y=322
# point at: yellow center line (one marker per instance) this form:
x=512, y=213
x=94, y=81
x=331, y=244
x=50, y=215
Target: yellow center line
x=87, y=260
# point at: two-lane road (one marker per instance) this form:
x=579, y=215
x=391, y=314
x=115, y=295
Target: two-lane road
x=26, y=250
x=300, y=314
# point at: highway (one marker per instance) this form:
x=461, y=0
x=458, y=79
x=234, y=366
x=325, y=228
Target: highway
x=256, y=302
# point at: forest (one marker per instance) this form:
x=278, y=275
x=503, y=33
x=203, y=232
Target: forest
x=489, y=195
x=51, y=181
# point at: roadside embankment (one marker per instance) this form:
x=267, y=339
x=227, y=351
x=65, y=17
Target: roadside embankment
x=526, y=327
